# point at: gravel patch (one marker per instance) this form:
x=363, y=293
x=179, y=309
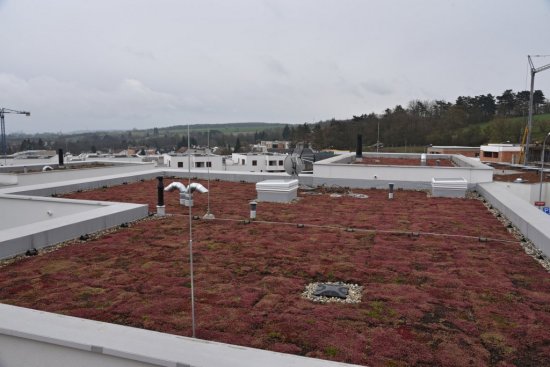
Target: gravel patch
x=355, y=292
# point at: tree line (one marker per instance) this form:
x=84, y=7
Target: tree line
x=468, y=121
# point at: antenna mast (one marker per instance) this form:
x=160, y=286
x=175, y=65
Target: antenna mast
x=530, y=118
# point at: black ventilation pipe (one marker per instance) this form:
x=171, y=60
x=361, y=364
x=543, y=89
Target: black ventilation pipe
x=359, y=151
x=60, y=157
x=160, y=191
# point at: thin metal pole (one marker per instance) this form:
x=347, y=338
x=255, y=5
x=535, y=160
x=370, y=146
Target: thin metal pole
x=208, y=193
x=529, y=119
x=3, y=133
x=191, y=267
x=208, y=215
x=542, y=166
x=190, y=198
x=378, y=137
x=189, y=154
x=207, y=166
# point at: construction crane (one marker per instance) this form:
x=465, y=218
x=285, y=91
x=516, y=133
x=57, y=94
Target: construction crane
x=3, y=124
x=534, y=70
x=522, y=144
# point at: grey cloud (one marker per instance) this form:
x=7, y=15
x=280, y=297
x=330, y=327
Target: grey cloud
x=378, y=87
x=142, y=54
x=276, y=67
x=61, y=105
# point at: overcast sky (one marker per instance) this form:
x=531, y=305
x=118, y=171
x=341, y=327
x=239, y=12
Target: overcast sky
x=122, y=64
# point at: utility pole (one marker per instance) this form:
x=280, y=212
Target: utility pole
x=3, y=127
x=378, y=136
x=530, y=118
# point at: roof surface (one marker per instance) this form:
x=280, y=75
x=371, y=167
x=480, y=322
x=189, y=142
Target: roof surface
x=444, y=282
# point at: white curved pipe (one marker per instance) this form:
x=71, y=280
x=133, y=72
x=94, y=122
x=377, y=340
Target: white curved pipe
x=197, y=187
x=47, y=168
x=176, y=186
x=189, y=189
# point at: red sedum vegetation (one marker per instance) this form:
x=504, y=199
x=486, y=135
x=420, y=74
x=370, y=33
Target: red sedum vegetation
x=390, y=161
x=428, y=299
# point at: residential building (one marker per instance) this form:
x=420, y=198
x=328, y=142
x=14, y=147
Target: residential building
x=256, y=162
x=198, y=161
x=500, y=153
x=472, y=152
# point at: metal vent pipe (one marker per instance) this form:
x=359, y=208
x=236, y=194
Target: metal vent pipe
x=161, y=209
x=253, y=205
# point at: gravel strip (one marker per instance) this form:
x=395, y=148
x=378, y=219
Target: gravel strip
x=528, y=246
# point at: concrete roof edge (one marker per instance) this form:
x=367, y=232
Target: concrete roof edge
x=139, y=344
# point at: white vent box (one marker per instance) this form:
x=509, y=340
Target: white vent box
x=449, y=187
x=277, y=191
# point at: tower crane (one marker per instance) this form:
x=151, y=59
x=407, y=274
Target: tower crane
x=3, y=126
x=534, y=70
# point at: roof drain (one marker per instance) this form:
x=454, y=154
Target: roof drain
x=328, y=292
x=331, y=290
x=31, y=252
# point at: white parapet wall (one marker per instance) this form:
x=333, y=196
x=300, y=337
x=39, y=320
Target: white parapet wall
x=30, y=338
x=28, y=222
x=23, y=210
x=88, y=183
x=7, y=179
x=532, y=222
x=339, y=170
x=68, y=174
x=529, y=192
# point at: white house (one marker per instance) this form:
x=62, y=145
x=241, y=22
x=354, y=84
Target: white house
x=256, y=162
x=198, y=161
x=244, y=162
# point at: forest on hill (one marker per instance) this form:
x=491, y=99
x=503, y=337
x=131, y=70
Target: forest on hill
x=469, y=121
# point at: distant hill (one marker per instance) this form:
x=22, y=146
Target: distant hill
x=160, y=138
x=227, y=128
